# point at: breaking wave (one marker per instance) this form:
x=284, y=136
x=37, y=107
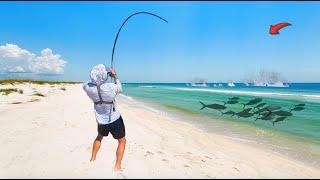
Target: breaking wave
x=147, y=86
x=255, y=93
x=126, y=96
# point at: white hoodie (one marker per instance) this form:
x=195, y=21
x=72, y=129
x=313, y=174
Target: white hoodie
x=105, y=113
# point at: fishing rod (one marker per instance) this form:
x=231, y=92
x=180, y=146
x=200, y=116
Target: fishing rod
x=116, y=39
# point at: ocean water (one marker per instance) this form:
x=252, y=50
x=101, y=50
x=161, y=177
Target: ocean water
x=298, y=136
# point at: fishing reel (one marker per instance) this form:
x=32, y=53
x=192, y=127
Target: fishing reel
x=110, y=74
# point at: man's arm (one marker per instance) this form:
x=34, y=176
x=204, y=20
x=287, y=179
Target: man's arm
x=117, y=81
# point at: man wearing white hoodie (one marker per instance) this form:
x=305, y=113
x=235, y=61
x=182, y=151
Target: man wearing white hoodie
x=103, y=94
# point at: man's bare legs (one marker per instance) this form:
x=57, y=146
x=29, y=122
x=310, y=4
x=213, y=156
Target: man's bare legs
x=96, y=147
x=120, y=152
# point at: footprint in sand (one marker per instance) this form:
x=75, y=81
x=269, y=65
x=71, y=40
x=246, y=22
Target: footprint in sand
x=119, y=175
x=165, y=160
x=148, y=153
x=159, y=152
x=186, y=166
x=141, y=146
x=208, y=157
x=236, y=169
x=209, y=176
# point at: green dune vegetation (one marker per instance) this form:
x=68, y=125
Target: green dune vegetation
x=7, y=91
x=19, y=81
x=38, y=94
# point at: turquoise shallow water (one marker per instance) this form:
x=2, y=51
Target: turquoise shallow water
x=299, y=135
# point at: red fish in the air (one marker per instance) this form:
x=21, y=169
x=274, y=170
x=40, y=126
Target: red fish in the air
x=274, y=29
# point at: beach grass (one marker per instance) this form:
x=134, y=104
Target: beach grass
x=34, y=100
x=40, y=82
x=39, y=94
x=16, y=103
x=7, y=91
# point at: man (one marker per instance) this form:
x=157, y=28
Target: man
x=107, y=117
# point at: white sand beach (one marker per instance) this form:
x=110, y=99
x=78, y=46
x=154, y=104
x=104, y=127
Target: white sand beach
x=52, y=136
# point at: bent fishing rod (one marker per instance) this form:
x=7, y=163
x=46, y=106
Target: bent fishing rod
x=116, y=39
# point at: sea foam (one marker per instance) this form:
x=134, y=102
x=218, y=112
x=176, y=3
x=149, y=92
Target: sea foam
x=254, y=93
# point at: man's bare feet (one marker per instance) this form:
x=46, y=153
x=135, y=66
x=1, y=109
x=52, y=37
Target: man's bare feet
x=117, y=168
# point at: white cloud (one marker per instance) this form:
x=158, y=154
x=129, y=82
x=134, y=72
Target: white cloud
x=16, y=69
x=15, y=59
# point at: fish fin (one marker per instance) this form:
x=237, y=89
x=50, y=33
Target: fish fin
x=203, y=105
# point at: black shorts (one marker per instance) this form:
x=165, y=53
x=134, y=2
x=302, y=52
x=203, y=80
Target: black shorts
x=116, y=128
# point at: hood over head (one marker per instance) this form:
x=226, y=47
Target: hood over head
x=99, y=74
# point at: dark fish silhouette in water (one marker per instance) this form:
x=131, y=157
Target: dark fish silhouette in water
x=244, y=114
x=267, y=118
x=234, y=98
x=261, y=110
x=231, y=102
x=299, y=108
x=265, y=113
x=247, y=110
x=213, y=106
x=282, y=113
x=258, y=109
x=273, y=107
x=252, y=102
x=260, y=105
x=281, y=118
x=228, y=113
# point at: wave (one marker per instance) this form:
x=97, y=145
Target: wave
x=147, y=86
x=253, y=93
x=125, y=96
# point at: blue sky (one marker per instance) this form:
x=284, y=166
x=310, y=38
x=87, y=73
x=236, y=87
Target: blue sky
x=218, y=41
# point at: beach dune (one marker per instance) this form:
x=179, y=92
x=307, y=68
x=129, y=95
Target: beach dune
x=52, y=138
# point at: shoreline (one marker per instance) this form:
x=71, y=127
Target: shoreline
x=53, y=138
x=227, y=139
x=241, y=132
